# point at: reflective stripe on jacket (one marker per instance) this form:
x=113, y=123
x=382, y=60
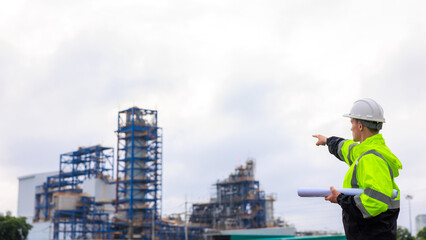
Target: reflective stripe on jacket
x=373, y=167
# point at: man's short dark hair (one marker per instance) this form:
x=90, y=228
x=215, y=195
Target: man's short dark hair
x=374, y=127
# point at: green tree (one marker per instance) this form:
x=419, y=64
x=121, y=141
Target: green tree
x=13, y=228
x=402, y=233
x=421, y=235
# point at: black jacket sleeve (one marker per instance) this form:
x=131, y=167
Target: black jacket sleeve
x=348, y=204
x=333, y=143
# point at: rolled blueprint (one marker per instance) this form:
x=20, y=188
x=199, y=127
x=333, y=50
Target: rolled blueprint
x=324, y=192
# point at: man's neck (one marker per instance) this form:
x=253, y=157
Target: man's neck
x=365, y=135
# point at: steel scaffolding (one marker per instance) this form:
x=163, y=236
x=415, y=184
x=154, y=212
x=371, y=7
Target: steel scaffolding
x=44, y=198
x=139, y=173
x=239, y=203
x=84, y=219
x=85, y=163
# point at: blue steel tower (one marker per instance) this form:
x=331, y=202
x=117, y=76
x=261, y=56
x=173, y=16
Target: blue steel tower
x=139, y=173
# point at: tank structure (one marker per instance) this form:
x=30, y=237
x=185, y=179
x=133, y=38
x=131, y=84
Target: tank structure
x=139, y=176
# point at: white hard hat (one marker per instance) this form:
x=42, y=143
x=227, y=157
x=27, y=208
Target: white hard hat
x=366, y=109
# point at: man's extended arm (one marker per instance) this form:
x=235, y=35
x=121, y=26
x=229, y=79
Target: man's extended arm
x=333, y=146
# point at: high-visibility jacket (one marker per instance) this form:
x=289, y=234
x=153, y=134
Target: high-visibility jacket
x=373, y=167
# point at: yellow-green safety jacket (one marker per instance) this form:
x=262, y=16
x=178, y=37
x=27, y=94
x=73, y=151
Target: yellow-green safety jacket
x=373, y=167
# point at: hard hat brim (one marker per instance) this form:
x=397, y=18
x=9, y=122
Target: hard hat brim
x=363, y=118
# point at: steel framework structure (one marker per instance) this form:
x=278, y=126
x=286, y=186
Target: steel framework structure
x=84, y=222
x=244, y=201
x=85, y=163
x=74, y=167
x=44, y=198
x=139, y=173
x=239, y=203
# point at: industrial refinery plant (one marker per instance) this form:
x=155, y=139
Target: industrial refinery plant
x=102, y=194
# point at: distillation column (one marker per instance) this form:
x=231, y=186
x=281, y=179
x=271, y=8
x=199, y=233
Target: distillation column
x=139, y=173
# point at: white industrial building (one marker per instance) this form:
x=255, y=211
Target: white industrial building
x=26, y=193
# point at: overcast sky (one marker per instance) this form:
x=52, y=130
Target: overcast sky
x=230, y=79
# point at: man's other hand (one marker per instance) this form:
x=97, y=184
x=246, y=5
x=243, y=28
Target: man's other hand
x=333, y=196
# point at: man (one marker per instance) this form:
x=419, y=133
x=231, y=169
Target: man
x=373, y=167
